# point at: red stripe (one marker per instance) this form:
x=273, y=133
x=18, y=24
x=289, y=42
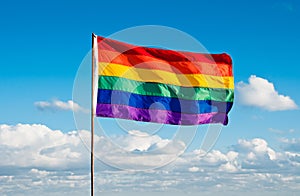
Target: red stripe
x=167, y=55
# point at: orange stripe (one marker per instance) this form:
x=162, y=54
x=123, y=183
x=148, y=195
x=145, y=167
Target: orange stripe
x=178, y=67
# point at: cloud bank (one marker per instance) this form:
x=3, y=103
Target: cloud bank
x=39, y=160
x=261, y=93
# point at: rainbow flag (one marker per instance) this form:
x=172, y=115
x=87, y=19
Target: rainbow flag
x=162, y=86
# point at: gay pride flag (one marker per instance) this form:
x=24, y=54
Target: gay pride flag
x=162, y=86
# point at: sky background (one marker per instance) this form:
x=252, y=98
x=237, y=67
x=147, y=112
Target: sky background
x=42, y=45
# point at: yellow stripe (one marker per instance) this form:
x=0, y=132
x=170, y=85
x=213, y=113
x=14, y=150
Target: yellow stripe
x=159, y=76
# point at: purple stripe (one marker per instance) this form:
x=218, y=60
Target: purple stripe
x=159, y=116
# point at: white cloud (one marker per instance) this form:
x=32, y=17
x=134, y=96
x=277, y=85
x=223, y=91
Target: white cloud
x=228, y=167
x=195, y=169
x=139, y=141
x=56, y=105
x=256, y=154
x=36, y=145
x=138, y=151
x=261, y=93
x=41, y=173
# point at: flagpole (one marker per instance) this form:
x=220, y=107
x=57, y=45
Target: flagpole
x=92, y=116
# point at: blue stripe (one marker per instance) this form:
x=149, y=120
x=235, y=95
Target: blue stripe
x=162, y=103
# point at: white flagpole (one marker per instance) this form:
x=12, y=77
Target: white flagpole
x=92, y=115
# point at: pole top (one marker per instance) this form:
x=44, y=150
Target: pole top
x=94, y=35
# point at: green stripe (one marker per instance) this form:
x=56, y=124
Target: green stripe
x=165, y=90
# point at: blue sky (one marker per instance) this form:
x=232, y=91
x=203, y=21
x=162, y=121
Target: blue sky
x=43, y=44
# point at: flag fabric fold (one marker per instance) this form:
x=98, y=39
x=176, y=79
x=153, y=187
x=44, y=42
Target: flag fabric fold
x=162, y=86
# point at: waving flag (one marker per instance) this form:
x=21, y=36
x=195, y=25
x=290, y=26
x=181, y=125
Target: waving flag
x=162, y=86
